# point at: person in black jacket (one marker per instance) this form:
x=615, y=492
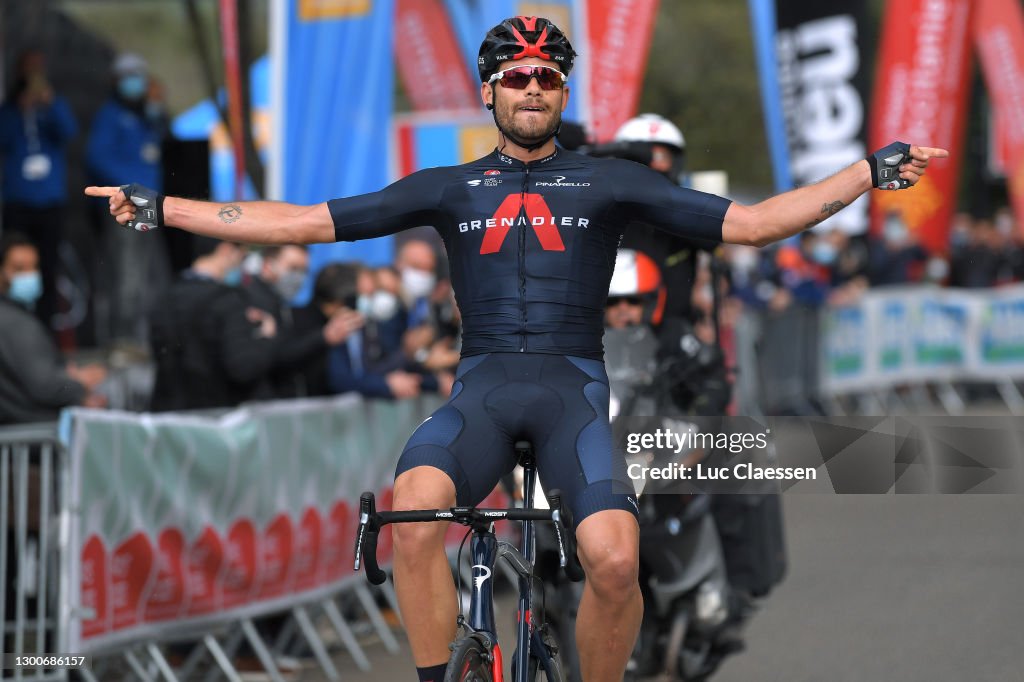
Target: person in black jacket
x=211, y=347
x=282, y=273
x=34, y=381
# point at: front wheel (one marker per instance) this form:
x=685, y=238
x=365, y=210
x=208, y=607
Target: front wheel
x=470, y=662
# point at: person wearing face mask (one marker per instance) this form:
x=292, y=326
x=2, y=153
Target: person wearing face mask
x=353, y=366
x=386, y=318
x=283, y=271
x=36, y=126
x=35, y=383
x=417, y=267
x=133, y=268
x=897, y=258
x=211, y=346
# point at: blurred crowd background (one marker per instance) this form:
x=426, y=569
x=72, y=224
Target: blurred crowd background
x=169, y=322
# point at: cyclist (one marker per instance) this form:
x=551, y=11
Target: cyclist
x=531, y=233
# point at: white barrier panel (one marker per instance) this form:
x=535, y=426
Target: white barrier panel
x=922, y=334
x=187, y=521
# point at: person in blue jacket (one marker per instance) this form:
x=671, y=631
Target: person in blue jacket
x=124, y=143
x=36, y=125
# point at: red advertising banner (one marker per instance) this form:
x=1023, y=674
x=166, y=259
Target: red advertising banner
x=921, y=93
x=999, y=39
x=233, y=81
x=429, y=59
x=192, y=521
x=619, y=36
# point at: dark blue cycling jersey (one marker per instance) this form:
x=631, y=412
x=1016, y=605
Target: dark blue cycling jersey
x=532, y=246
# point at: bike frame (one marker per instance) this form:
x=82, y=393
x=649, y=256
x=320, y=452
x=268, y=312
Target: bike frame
x=485, y=549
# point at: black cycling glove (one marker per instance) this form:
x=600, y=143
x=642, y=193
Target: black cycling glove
x=885, y=166
x=149, y=207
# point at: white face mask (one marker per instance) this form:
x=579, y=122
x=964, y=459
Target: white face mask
x=417, y=283
x=383, y=306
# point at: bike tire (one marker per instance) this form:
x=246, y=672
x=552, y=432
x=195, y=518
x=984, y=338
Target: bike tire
x=470, y=662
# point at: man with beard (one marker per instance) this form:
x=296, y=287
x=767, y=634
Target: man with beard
x=531, y=233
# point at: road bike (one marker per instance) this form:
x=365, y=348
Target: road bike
x=476, y=653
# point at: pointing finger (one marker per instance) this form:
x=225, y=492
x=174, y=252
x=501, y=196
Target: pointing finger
x=94, y=191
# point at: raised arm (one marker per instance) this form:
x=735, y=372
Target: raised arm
x=413, y=200
x=793, y=212
x=252, y=222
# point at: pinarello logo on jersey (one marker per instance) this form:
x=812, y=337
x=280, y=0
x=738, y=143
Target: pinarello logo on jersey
x=560, y=182
x=492, y=172
x=538, y=216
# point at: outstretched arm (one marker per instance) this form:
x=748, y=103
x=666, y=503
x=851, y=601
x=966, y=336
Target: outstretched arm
x=793, y=212
x=251, y=222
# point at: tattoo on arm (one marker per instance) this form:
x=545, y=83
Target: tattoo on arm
x=231, y=213
x=827, y=211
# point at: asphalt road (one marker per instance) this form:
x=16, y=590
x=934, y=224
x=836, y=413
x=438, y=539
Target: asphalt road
x=894, y=588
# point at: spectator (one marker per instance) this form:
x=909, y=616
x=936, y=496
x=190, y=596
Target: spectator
x=802, y=272
x=898, y=258
x=380, y=301
x=978, y=263
x=349, y=365
x=283, y=271
x=417, y=267
x=847, y=260
x=34, y=381
x=36, y=125
x=334, y=297
x=124, y=146
x=211, y=348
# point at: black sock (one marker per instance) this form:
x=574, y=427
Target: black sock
x=434, y=673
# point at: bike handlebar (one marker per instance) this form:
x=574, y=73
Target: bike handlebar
x=371, y=521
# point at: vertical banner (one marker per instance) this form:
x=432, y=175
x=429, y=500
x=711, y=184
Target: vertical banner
x=471, y=19
x=921, y=95
x=618, y=37
x=820, y=52
x=332, y=98
x=763, y=25
x=233, y=82
x=429, y=59
x=999, y=40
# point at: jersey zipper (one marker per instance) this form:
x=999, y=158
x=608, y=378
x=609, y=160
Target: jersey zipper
x=522, y=262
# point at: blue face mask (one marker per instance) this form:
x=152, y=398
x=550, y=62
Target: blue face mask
x=233, y=277
x=132, y=88
x=824, y=253
x=26, y=288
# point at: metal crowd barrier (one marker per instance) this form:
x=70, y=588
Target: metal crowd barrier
x=33, y=472
x=777, y=355
x=329, y=631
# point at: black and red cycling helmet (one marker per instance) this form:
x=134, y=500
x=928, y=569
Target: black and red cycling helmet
x=521, y=37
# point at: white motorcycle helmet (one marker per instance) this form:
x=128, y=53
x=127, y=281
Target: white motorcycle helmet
x=655, y=129
x=637, y=275
x=651, y=128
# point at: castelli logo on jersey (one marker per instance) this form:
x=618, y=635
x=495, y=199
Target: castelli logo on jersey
x=560, y=182
x=492, y=172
